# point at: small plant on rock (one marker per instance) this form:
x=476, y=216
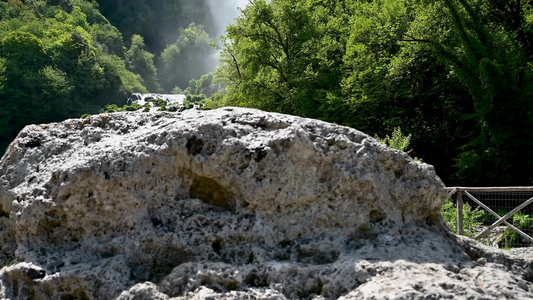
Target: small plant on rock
x=397, y=140
x=132, y=107
x=187, y=104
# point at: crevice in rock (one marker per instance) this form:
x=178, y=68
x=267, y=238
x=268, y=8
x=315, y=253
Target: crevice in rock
x=194, y=145
x=155, y=261
x=155, y=221
x=376, y=216
x=317, y=291
x=78, y=294
x=52, y=221
x=528, y=275
x=3, y=214
x=217, y=246
x=255, y=280
x=33, y=142
x=262, y=123
x=286, y=243
x=311, y=255
x=259, y=153
x=211, y=192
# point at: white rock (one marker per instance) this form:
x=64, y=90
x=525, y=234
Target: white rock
x=229, y=204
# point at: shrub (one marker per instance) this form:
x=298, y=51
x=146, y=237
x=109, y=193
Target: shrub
x=397, y=141
x=132, y=107
x=195, y=98
x=110, y=108
x=512, y=238
x=156, y=102
x=187, y=104
x=471, y=218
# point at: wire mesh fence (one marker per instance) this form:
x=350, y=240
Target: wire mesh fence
x=496, y=216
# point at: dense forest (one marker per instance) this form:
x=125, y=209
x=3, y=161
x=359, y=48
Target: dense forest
x=63, y=58
x=455, y=75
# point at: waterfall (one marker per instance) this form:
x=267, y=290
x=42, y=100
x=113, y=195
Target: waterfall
x=140, y=99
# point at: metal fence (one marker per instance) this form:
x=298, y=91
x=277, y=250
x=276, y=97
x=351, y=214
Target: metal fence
x=505, y=219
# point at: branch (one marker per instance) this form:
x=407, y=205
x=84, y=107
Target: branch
x=236, y=64
x=285, y=47
x=411, y=38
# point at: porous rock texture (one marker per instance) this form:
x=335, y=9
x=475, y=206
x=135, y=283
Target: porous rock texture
x=231, y=204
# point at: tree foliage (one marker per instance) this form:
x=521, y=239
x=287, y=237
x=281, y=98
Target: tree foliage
x=55, y=63
x=494, y=64
x=454, y=74
x=141, y=62
x=191, y=56
x=158, y=21
x=284, y=56
x=63, y=58
x=471, y=218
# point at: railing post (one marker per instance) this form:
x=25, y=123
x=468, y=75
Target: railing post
x=460, y=212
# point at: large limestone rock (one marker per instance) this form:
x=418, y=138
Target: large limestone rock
x=231, y=204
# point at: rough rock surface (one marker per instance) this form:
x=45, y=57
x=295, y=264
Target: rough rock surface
x=231, y=204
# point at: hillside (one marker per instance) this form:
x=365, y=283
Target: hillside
x=457, y=76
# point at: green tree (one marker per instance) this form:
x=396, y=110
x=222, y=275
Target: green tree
x=495, y=67
x=55, y=64
x=5, y=128
x=191, y=56
x=454, y=73
x=24, y=57
x=285, y=56
x=491, y=63
x=158, y=21
x=394, y=79
x=204, y=85
x=141, y=62
x=109, y=38
x=23, y=50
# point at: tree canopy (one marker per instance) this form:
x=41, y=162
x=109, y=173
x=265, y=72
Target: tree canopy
x=190, y=56
x=57, y=61
x=63, y=58
x=454, y=74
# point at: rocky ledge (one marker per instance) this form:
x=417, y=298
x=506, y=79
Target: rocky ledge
x=231, y=204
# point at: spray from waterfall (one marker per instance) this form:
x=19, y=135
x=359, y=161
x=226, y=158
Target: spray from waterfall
x=222, y=13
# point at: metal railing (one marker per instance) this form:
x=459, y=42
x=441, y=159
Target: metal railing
x=508, y=202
